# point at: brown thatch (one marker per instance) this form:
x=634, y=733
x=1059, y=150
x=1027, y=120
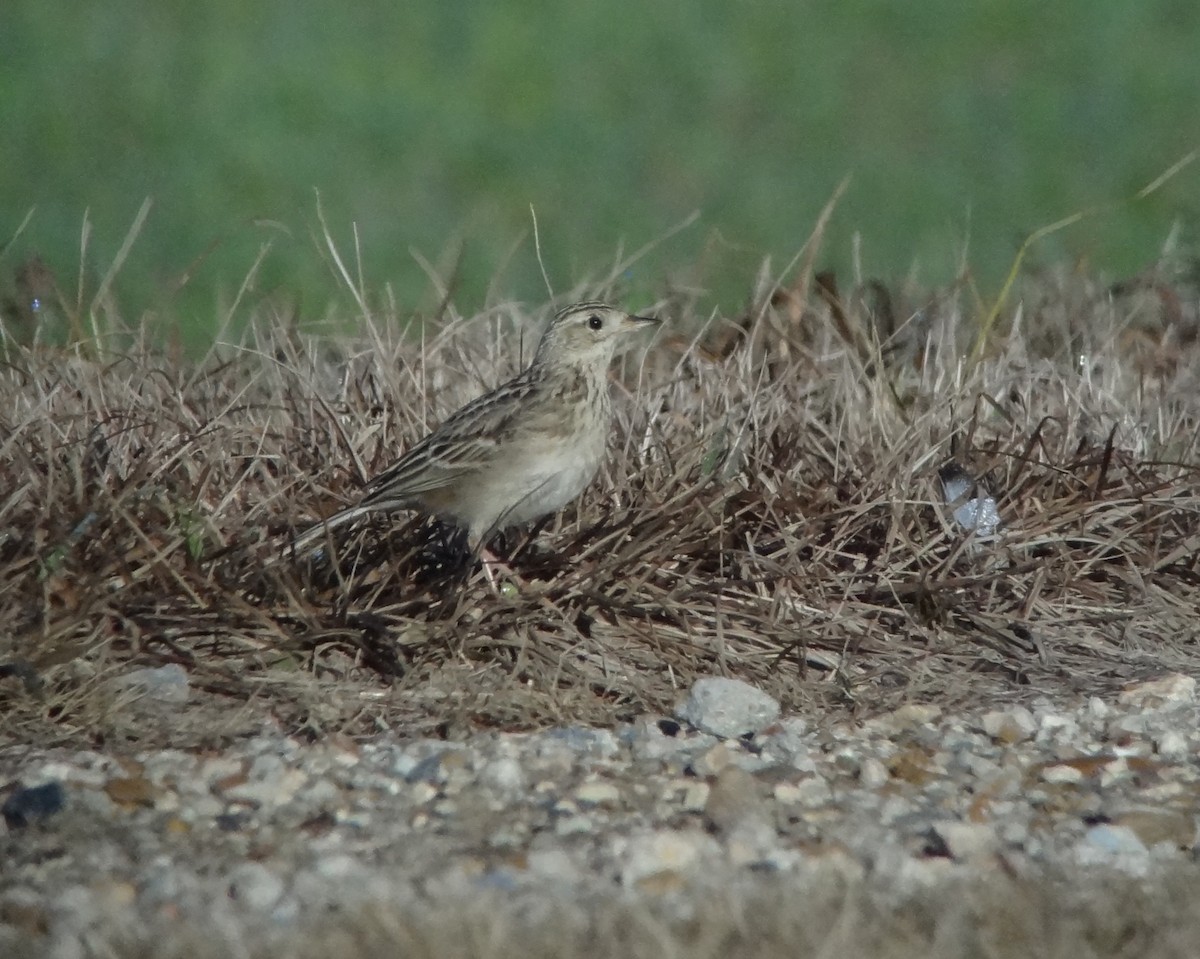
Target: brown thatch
x=771, y=510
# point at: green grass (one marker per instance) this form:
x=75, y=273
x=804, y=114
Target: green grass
x=435, y=127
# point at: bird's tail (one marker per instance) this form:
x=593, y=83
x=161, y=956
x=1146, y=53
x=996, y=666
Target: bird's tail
x=318, y=531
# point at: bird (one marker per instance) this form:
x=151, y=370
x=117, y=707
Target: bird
x=520, y=452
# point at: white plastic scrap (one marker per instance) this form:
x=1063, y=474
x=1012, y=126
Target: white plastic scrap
x=977, y=514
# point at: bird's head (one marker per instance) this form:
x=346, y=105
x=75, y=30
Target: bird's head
x=587, y=333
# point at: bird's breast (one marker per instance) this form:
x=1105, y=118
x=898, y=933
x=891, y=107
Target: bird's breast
x=550, y=466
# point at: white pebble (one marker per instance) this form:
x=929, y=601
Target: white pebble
x=1172, y=745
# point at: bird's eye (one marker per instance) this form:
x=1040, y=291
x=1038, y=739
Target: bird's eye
x=594, y=322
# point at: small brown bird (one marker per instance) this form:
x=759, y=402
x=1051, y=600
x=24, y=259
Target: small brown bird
x=520, y=452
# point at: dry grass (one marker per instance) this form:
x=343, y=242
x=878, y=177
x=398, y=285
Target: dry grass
x=770, y=510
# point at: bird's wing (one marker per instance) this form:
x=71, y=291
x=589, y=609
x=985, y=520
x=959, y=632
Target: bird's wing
x=466, y=442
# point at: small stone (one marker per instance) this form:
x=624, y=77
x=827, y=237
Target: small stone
x=29, y=804
x=786, y=792
x=789, y=741
x=436, y=768
x=751, y=842
x=1097, y=708
x=894, y=809
x=847, y=762
x=812, y=791
x=220, y=771
x=1169, y=690
x=967, y=841
x=162, y=884
x=598, y=793
x=554, y=865
x=509, y=838
x=231, y=822
x=695, y=796
x=269, y=786
x=713, y=760
x=908, y=716
x=1116, y=847
x=505, y=775
x=1154, y=826
x=574, y=826
x=727, y=708
x=1114, y=771
x=1173, y=745
x=1055, y=727
x=668, y=850
x=733, y=799
x=321, y=793
x=873, y=773
x=647, y=741
x=339, y=867
x=911, y=766
x=254, y=885
x=661, y=883
x=343, y=751
x=165, y=684
x=1014, y=833
x=1061, y=773
x=75, y=907
x=131, y=791
x=24, y=910
x=115, y=894
x=1127, y=728
x=423, y=792
x=1010, y=726
x=600, y=743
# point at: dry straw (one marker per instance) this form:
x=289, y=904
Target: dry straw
x=770, y=509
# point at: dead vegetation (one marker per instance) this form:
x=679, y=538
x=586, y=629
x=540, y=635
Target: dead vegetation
x=771, y=509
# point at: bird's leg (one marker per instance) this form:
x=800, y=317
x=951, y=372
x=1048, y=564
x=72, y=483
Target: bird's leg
x=488, y=559
x=493, y=564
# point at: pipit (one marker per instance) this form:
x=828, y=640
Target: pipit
x=520, y=452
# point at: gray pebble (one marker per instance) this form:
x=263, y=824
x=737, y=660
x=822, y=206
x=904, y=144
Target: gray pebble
x=727, y=708
x=274, y=829
x=254, y=885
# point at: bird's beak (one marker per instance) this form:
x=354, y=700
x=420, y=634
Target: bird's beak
x=639, y=322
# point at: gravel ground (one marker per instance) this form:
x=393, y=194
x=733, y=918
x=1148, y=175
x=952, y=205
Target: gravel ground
x=275, y=845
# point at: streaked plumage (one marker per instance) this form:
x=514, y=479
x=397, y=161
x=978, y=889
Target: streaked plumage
x=520, y=452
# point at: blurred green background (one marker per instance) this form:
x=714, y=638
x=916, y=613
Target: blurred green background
x=434, y=125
